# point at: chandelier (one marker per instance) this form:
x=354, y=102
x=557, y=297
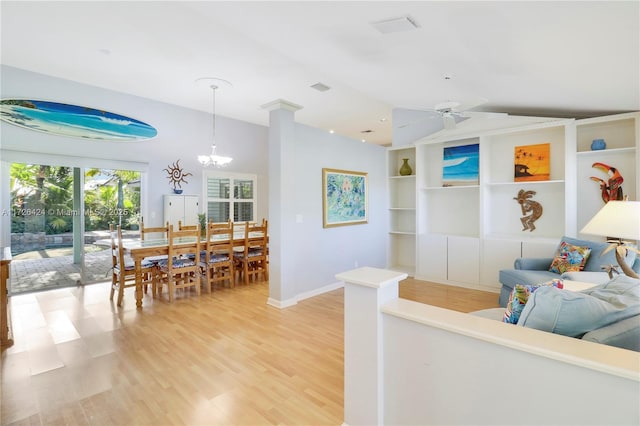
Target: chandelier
x=214, y=159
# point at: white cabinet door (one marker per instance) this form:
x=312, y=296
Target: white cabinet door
x=539, y=248
x=497, y=254
x=432, y=261
x=181, y=208
x=463, y=255
x=191, y=210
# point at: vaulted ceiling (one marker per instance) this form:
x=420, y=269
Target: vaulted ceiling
x=564, y=59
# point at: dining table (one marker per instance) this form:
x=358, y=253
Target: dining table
x=140, y=249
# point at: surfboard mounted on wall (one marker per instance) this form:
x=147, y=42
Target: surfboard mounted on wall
x=73, y=120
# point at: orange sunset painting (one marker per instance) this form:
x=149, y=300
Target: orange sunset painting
x=531, y=163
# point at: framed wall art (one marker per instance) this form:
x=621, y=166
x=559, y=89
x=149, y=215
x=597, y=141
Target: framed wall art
x=460, y=165
x=344, y=198
x=531, y=163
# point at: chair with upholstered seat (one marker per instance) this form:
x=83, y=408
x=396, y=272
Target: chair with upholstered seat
x=216, y=258
x=123, y=273
x=181, y=268
x=253, y=259
x=152, y=232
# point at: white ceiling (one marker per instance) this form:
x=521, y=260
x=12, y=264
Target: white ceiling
x=564, y=59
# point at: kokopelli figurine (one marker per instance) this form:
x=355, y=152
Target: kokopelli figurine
x=528, y=206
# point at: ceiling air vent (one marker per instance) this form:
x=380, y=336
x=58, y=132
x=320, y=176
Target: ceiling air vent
x=320, y=87
x=396, y=25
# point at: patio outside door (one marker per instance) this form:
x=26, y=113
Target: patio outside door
x=110, y=197
x=60, y=221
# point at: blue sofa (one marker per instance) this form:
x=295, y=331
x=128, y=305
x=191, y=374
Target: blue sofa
x=536, y=270
x=608, y=313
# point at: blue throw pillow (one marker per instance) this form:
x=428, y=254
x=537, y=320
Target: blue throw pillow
x=576, y=313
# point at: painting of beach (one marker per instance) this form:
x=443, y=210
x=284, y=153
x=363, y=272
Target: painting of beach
x=460, y=166
x=73, y=120
x=531, y=163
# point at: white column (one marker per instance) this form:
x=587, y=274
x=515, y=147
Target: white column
x=365, y=291
x=282, y=180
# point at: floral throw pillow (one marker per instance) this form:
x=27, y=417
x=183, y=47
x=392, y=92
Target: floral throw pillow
x=519, y=296
x=569, y=258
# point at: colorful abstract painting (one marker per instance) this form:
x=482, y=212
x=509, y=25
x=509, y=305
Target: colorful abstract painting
x=531, y=163
x=460, y=165
x=73, y=120
x=344, y=197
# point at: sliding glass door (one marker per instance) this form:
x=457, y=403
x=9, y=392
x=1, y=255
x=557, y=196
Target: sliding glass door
x=60, y=220
x=110, y=197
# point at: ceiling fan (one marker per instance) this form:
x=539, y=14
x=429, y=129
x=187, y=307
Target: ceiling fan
x=453, y=112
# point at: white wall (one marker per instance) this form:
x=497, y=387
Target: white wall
x=182, y=134
x=323, y=252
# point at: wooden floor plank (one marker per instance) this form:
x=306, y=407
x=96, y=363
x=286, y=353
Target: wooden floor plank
x=221, y=358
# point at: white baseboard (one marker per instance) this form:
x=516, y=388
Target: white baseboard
x=283, y=304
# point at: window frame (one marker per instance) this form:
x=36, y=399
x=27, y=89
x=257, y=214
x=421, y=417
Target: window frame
x=219, y=174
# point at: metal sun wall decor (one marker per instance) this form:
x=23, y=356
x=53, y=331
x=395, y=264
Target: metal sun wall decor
x=531, y=210
x=531, y=163
x=73, y=120
x=611, y=189
x=176, y=175
x=344, y=198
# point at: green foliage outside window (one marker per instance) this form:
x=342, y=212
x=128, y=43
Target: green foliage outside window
x=42, y=199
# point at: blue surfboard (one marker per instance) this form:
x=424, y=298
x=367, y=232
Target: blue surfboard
x=73, y=120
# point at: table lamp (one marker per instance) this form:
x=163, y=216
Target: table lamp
x=619, y=220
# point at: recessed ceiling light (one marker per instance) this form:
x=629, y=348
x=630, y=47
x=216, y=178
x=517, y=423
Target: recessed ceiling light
x=332, y=131
x=383, y=119
x=364, y=140
x=395, y=25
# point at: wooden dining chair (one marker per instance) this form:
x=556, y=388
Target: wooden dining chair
x=253, y=259
x=216, y=257
x=147, y=232
x=150, y=231
x=123, y=273
x=181, y=269
x=182, y=227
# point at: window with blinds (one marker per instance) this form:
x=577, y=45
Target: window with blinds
x=223, y=203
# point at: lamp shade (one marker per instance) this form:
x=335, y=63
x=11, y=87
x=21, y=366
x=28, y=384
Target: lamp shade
x=617, y=219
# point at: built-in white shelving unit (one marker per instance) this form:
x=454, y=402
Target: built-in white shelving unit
x=463, y=235
x=402, y=211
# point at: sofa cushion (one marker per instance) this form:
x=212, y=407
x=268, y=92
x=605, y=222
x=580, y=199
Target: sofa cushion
x=576, y=313
x=518, y=299
x=622, y=334
x=596, y=258
x=569, y=258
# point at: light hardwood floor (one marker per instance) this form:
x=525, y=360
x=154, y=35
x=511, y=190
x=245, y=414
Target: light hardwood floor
x=221, y=358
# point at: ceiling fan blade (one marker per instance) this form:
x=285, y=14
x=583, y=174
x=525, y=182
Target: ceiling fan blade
x=446, y=106
x=482, y=114
x=449, y=121
x=460, y=107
